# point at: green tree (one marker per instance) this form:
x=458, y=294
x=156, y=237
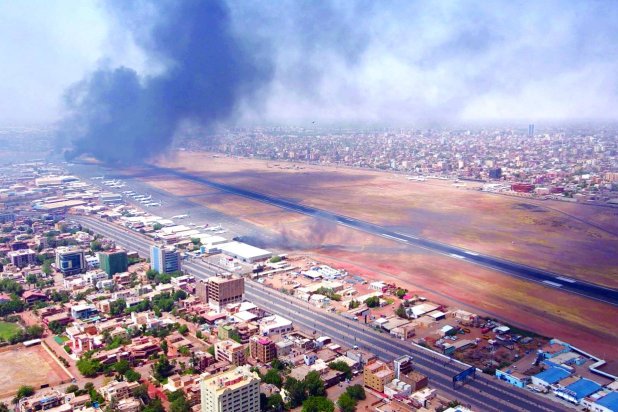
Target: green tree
x=357, y=392
x=341, y=366
x=372, y=302
x=401, y=312
x=24, y=391
x=154, y=405
x=273, y=377
x=183, y=330
x=72, y=389
x=122, y=366
x=88, y=367
x=353, y=304
x=31, y=278
x=4, y=407
x=56, y=327
x=296, y=391
x=346, y=403
x=314, y=384
x=277, y=364
x=275, y=259
x=162, y=368
x=164, y=346
x=275, y=402
x=318, y=404
x=157, y=226
x=117, y=307
x=96, y=246
x=132, y=376
x=400, y=293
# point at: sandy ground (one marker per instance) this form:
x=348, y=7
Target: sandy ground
x=28, y=366
x=573, y=239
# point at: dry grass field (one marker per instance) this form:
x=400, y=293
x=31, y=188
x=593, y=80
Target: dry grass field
x=578, y=240
x=31, y=366
x=572, y=239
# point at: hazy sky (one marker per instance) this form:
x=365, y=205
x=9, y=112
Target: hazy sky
x=381, y=61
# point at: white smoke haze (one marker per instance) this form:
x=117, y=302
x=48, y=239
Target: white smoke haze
x=387, y=62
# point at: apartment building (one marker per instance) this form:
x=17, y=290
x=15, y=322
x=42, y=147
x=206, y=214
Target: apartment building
x=262, y=349
x=376, y=375
x=235, y=390
x=230, y=351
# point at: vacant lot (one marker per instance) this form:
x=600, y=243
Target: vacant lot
x=8, y=329
x=27, y=366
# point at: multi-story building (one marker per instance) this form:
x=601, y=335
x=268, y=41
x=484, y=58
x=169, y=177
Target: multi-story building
x=113, y=262
x=225, y=291
x=376, y=375
x=201, y=290
x=262, y=349
x=164, y=259
x=22, y=257
x=230, y=351
x=47, y=399
x=235, y=390
x=118, y=390
x=70, y=260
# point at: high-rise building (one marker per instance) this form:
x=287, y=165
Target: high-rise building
x=224, y=291
x=113, y=262
x=70, y=260
x=164, y=259
x=530, y=130
x=232, y=391
x=262, y=349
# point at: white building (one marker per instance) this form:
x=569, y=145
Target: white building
x=244, y=252
x=274, y=324
x=235, y=390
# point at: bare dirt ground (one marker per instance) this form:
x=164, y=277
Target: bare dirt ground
x=31, y=366
x=574, y=239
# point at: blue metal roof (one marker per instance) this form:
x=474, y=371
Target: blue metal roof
x=552, y=375
x=583, y=388
x=610, y=401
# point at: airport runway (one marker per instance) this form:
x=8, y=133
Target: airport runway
x=484, y=393
x=542, y=277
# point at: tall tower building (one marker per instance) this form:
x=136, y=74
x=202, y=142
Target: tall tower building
x=70, y=260
x=530, y=130
x=232, y=391
x=112, y=262
x=164, y=259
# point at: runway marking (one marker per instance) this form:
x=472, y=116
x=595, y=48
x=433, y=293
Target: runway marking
x=391, y=237
x=456, y=256
x=471, y=253
x=565, y=279
x=555, y=284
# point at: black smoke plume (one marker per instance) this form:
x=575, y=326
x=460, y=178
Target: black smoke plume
x=117, y=116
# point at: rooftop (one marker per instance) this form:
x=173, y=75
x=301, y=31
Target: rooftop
x=609, y=401
x=552, y=375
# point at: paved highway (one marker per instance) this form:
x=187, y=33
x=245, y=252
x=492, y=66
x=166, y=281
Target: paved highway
x=485, y=393
x=540, y=276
